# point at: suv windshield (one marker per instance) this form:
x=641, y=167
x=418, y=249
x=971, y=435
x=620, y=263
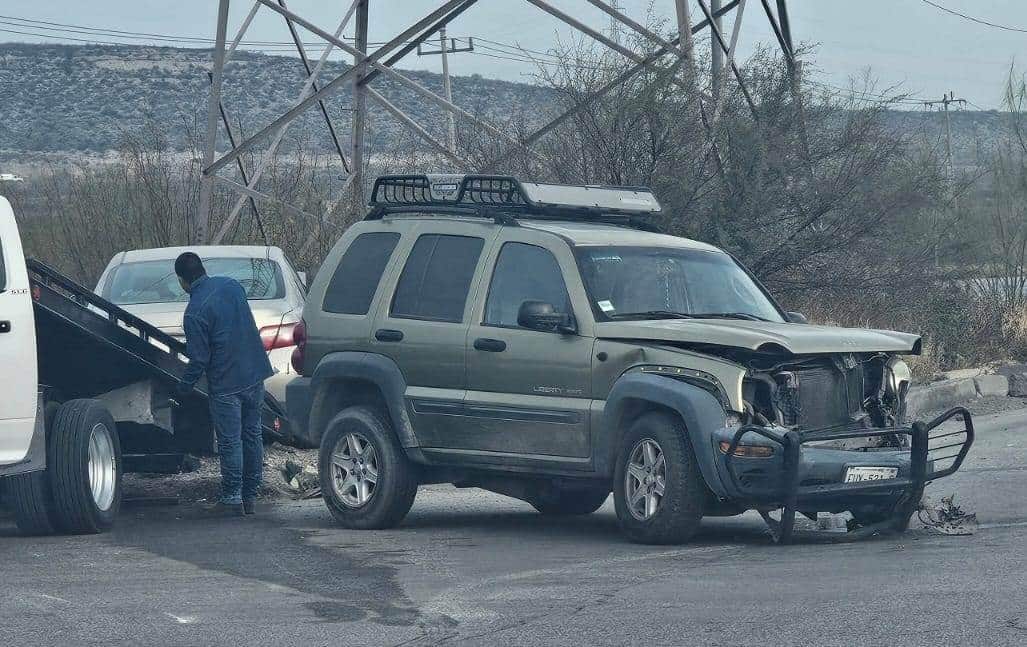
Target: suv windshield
x=156, y=282
x=666, y=282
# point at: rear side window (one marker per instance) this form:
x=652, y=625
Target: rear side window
x=360, y=270
x=437, y=278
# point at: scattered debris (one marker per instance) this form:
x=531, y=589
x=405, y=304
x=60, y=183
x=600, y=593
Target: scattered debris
x=301, y=480
x=204, y=483
x=946, y=517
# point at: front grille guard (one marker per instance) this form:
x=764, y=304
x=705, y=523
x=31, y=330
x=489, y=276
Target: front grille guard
x=921, y=452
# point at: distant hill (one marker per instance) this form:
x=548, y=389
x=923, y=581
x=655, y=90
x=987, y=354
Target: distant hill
x=81, y=98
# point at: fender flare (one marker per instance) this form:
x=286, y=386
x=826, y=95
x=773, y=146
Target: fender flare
x=701, y=412
x=375, y=369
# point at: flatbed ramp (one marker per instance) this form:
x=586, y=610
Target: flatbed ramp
x=89, y=346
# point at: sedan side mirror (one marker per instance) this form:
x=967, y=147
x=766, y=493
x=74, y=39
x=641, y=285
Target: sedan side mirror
x=796, y=317
x=542, y=316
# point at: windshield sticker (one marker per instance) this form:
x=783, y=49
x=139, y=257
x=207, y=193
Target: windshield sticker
x=606, y=306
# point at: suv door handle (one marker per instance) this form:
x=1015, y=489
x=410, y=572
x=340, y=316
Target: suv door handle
x=388, y=335
x=5, y=326
x=490, y=345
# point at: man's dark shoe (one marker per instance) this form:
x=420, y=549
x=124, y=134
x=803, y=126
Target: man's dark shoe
x=249, y=506
x=222, y=509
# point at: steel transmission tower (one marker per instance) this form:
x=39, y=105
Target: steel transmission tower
x=430, y=26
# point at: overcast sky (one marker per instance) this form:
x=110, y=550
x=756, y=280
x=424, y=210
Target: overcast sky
x=907, y=42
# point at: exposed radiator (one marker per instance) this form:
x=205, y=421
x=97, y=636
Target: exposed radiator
x=820, y=396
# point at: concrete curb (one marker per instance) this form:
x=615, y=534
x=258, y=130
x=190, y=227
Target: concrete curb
x=992, y=385
x=953, y=392
x=940, y=395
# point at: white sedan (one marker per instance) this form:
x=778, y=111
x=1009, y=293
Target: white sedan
x=144, y=283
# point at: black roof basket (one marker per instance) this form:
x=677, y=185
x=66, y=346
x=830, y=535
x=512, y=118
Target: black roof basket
x=503, y=197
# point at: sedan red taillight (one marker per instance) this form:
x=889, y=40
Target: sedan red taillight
x=299, y=338
x=281, y=336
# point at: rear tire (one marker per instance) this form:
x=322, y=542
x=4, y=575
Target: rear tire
x=680, y=508
x=569, y=502
x=32, y=503
x=80, y=490
x=359, y=442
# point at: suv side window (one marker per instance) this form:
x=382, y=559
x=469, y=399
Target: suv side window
x=360, y=269
x=523, y=273
x=437, y=277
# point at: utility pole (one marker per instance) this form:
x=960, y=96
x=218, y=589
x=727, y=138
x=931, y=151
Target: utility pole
x=716, y=51
x=445, y=49
x=945, y=100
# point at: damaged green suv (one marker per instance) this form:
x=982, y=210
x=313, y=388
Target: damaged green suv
x=544, y=342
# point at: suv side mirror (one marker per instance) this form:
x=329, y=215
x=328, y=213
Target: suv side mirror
x=542, y=316
x=796, y=317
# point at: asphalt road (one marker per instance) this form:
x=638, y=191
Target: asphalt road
x=468, y=567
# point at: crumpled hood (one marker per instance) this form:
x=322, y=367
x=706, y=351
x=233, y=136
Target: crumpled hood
x=798, y=339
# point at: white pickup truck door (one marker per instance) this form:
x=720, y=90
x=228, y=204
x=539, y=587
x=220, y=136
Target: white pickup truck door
x=17, y=344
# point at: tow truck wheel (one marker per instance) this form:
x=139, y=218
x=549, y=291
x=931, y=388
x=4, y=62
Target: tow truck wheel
x=658, y=491
x=84, y=464
x=366, y=479
x=32, y=503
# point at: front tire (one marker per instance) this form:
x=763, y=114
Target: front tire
x=658, y=491
x=366, y=479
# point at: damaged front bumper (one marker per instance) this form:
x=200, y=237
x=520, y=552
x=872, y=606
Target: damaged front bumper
x=799, y=477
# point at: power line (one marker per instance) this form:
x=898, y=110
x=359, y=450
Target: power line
x=972, y=19
x=138, y=35
x=495, y=49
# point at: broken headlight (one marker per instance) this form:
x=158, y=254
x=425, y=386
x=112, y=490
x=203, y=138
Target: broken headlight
x=897, y=377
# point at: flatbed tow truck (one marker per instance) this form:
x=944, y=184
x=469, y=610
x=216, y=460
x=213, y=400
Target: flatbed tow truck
x=88, y=396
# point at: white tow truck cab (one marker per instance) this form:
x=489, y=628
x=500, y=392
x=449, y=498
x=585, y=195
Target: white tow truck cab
x=18, y=419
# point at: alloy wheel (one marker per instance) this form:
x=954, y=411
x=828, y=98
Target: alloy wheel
x=645, y=479
x=354, y=470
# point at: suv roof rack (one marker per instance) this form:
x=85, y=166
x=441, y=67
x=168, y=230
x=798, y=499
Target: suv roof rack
x=503, y=198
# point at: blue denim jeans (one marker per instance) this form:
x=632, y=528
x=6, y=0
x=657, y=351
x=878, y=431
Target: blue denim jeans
x=236, y=420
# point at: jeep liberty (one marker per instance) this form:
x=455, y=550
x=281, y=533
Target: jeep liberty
x=544, y=342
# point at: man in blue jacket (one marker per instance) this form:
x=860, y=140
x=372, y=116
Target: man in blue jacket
x=222, y=340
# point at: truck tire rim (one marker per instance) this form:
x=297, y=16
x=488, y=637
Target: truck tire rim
x=354, y=470
x=102, y=467
x=645, y=480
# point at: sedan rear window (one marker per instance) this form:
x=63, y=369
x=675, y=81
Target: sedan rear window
x=156, y=281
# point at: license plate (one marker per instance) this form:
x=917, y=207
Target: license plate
x=861, y=474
